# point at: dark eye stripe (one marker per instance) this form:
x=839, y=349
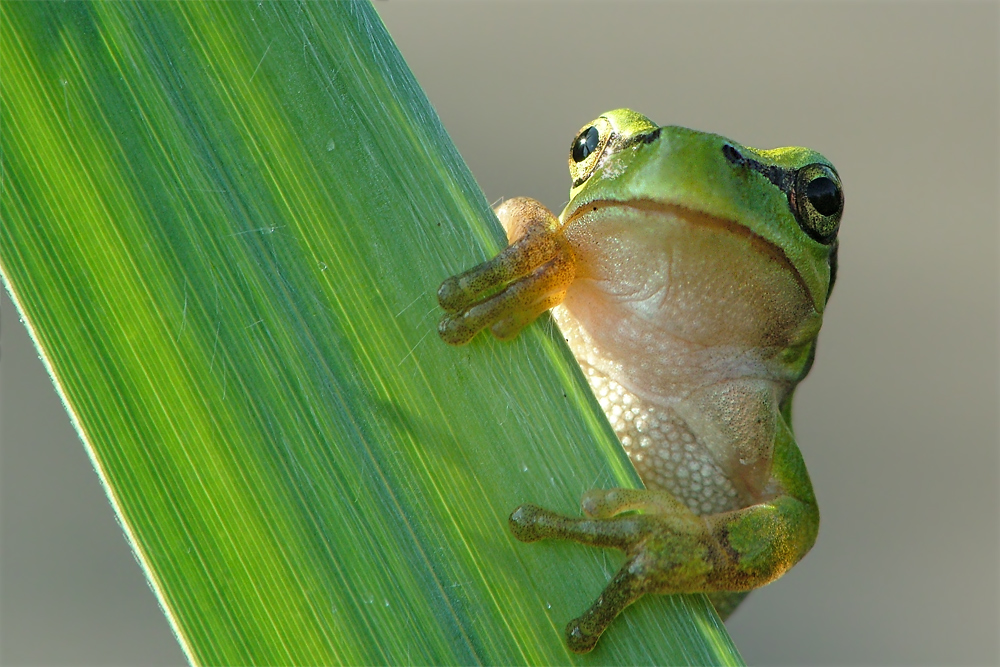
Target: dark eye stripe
x=781, y=178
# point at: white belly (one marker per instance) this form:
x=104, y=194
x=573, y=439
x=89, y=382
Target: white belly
x=679, y=328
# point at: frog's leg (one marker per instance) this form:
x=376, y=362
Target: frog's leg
x=670, y=549
x=509, y=291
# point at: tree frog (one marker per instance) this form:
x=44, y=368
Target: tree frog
x=689, y=275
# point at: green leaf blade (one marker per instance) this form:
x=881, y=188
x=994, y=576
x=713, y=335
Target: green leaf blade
x=225, y=224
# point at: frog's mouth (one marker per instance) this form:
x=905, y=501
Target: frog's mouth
x=758, y=243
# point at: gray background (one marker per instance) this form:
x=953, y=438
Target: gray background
x=898, y=421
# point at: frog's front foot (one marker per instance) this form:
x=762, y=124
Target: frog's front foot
x=508, y=292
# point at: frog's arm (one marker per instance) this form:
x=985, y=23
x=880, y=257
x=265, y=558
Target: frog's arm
x=669, y=549
x=507, y=293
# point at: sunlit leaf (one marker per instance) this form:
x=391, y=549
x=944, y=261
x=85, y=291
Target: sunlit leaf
x=224, y=224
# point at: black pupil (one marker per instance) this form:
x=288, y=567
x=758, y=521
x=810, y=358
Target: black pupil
x=823, y=195
x=586, y=143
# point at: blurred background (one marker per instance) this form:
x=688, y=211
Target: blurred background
x=898, y=421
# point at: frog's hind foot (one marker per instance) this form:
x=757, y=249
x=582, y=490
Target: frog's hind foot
x=530, y=523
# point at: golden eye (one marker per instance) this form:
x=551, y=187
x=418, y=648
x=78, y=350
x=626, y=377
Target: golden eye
x=818, y=202
x=587, y=150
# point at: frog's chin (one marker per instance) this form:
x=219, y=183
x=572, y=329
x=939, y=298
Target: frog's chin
x=667, y=271
x=605, y=213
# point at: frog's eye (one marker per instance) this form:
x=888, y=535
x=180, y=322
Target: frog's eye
x=818, y=201
x=586, y=143
x=587, y=150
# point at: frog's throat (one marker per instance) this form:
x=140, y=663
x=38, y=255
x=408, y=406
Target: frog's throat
x=759, y=243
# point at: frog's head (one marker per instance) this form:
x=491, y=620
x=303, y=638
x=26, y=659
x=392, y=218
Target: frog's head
x=790, y=197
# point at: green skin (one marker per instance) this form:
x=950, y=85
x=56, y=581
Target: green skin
x=689, y=275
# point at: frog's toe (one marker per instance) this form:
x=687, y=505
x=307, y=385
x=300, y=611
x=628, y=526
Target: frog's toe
x=625, y=588
x=509, y=326
x=530, y=523
x=451, y=295
x=605, y=503
x=460, y=327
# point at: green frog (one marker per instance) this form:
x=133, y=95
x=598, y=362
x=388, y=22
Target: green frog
x=689, y=275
